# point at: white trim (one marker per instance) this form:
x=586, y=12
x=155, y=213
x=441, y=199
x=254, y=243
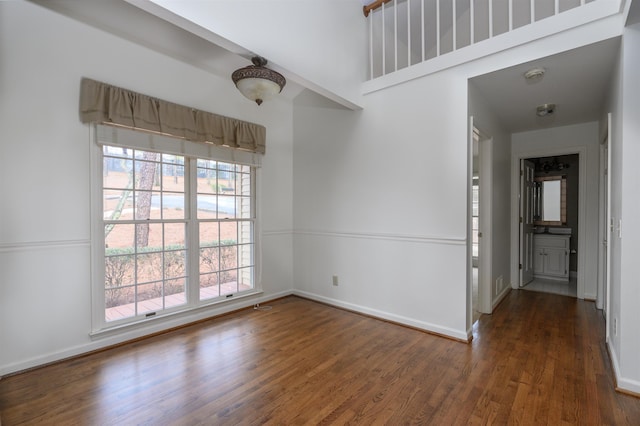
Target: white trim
x=590, y=296
x=275, y=232
x=597, y=12
x=434, y=328
x=43, y=245
x=582, y=203
x=604, y=220
x=469, y=293
x=120, y=328
x=485, y=282
x=97, y=232
x=145, y=329
x=138, y=139
x=621, y=382
x=123, y=137
x=500, y=296
x=384, y=236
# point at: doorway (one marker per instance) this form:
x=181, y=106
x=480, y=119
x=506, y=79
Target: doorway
x=606, y=226
x=475, y=227
x=481, y=186
x=549, y=224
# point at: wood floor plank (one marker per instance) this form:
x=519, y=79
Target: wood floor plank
x=539, y=359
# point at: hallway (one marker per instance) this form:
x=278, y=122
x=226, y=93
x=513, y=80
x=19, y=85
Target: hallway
x=562, y=288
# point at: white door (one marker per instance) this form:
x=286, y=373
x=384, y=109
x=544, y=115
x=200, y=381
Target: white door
x=527, y=188
x=606, y=227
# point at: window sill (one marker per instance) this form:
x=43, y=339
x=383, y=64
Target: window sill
x=166, y=321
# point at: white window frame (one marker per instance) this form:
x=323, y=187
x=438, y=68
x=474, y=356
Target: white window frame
x=475, y=200
x=109, y=135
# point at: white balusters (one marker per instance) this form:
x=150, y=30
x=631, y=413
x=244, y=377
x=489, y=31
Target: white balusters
x=451, y=34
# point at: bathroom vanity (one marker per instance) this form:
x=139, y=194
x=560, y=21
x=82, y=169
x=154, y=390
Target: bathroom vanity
x=551, y=256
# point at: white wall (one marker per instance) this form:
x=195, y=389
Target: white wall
x=614, y=106
x=377, y=197
x=624, y=241
x=380, y=201
x=485, y=120
x=583, y=139
x=588, y=24
x=388, y=185
x=321, y=44
x=625, y=300
x=44, y=176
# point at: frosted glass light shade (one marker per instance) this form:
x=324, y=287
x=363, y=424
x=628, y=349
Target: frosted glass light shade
x=258, y=89
x=258, y=83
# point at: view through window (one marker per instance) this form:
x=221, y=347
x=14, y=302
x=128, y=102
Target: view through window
x=475, y=223
x=178, y=232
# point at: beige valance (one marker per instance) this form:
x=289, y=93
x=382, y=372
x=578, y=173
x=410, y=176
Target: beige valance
x=106, y=104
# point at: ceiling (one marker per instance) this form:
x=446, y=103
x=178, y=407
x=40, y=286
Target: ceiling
x=124, y=20
x=577, y=81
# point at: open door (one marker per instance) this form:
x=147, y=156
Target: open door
x=527, y=188
x=480, y=224
x=606, y=226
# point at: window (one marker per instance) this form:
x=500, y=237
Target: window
x=475, y=225
x=225, y=226
x=145, y=228
x=176, y=231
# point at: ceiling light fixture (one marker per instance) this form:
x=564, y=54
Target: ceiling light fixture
x=534, y=75
x=545, y=109
x=256, y=82
x=550, y=166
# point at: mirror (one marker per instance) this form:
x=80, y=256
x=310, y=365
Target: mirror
x=550, y=200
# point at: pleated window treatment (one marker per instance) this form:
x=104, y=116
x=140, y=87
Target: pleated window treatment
x=106, y=104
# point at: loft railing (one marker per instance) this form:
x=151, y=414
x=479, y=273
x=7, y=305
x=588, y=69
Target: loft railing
x=406, y=32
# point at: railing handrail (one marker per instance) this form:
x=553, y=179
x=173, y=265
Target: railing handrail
x=415, y=37
x=373, y=6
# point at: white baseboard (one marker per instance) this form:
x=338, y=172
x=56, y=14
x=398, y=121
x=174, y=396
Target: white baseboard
x=622, y=384
x=501, y=296
x=432, y=328
x=132, y=334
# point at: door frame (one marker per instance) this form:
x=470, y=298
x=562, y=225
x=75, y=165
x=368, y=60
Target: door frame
x=581, y=151
x=485, y=270
x=606, y=227
x=526, y=223
x=485, y=173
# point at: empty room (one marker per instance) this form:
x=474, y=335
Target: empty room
x=302, y=212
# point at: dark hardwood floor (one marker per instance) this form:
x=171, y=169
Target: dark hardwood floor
x=539, y=359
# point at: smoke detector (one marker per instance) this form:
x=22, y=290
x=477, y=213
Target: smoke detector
x=545, y=109
x=534, y=75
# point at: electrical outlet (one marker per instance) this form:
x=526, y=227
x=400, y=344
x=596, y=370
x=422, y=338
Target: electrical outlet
x=335, y=280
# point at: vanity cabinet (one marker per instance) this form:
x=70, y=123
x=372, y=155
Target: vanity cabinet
x=551, y=256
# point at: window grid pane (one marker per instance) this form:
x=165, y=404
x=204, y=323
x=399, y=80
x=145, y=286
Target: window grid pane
x=146, y=223
x=474, y=219
x=226, y=257
x=220, y=266
x=145, y=229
